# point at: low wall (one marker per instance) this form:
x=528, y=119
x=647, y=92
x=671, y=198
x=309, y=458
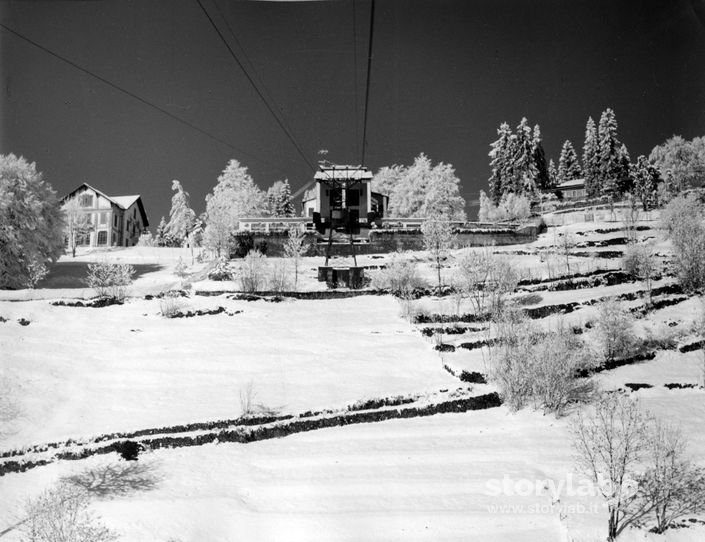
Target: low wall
x=385, y=241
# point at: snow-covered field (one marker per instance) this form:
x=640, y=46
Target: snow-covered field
x=74, y=372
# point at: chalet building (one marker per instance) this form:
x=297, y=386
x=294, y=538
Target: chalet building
x=115, y=220
x=572, y=190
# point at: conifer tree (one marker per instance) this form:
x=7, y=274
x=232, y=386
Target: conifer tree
x=501, y=152
x=525, y=171
x=161, y=232
x=181, y=216
x=591, y=160
x=568, y=164
x=284, y=206
x=552, y=173
x=543, y=179
x=612, y=167
x=646, y=179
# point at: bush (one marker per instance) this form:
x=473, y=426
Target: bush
x=110, y=279
x=511, y=207
x=60, y=514
x=640, y=262
x=400, y=276
x=170, y=305
x=221, y=271
x=536, y=368
x=487, y=278
x=615, y=331
x=684, y=220
x=253, y=272
x=279, y=277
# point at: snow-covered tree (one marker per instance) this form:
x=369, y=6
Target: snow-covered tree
x=235, y=196
x=423, y=190
x=279, y=202
x=591, y=160
x=438, y=239
x=568, y=164
x=517, y=161
x=501, y=153
x=613, y=172
x=294, y=248
x=525, y=171
x=31, y=222
x=386, y=180
x=646, y=181
x=543, y=177
x=161, y=234
x=181, y=216
x=685, y=159
x=77, y=223
x=552, y=173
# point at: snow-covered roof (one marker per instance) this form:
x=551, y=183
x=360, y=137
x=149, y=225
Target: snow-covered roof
x=125, y=201
x=343, y=173
x=573, y=183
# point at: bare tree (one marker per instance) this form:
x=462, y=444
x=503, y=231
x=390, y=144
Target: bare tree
x=672, y=486
x=488, y=279
x=640, y=261
x=438, y=239
x=615, y=330
x=295, y=248
x=610, y=443
x=78, y=224
x=60, y=514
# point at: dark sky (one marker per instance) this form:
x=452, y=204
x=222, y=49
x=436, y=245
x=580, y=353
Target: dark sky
x=445, y=74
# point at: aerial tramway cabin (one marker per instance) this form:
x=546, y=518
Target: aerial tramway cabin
x=343, y=198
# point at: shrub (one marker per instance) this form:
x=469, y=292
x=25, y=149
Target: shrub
x=221, y=271
x=684, y=220
x=296, y=248
x=279, y=276
x=615, y=331
x=110, y=279
x=438, y=238
x=511, y=207
x=401, y=278
x=487, y=278
x=60, y=514
x=253, y=272
x=536, y=368
x=640, y=262
x=170, y=305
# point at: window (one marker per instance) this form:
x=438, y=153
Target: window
x=352, y=197
x=86, y=200
x=102, y=238
x=103, y=218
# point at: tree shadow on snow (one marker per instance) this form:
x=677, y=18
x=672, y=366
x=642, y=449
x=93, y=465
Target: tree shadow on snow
x=117, y=479
x=73, y=274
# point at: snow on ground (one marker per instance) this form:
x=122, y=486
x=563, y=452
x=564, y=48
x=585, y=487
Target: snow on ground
x=418, y=479
x=88, y=371
x=85, y=371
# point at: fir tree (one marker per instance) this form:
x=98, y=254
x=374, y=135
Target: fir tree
x=568, y=164
x=591, y=160
x=625, y=181
x=500, y=162
x=542, y=179
x=646, y=179
x=552, y=174
x=181, y=216
x=284, y=206
x=524, y=167
x=612, y=156
x=161, y=233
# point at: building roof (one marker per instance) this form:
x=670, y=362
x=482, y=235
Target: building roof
x=123, y=202
x=573, y=184
x=343, y=173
